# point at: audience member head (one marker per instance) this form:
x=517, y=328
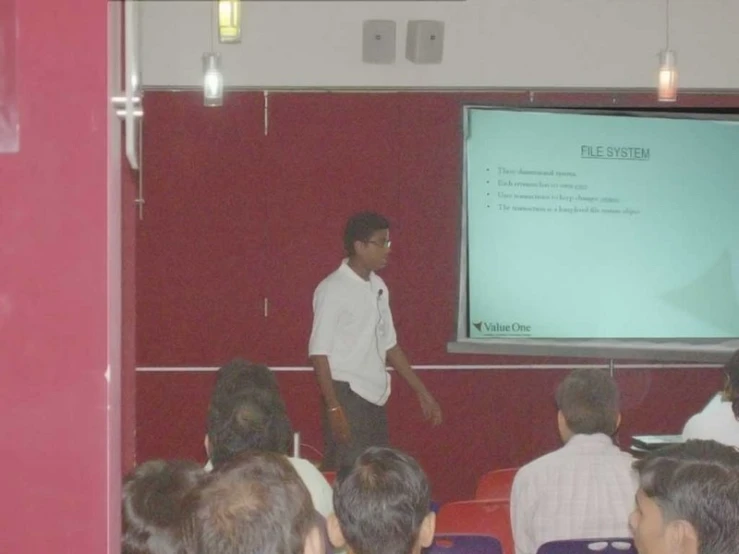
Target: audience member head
x=254, y=504
x=239, y=376
x=240, y=422
x=363, y=227
x=588, y=402
x=382, y=505
x=688, y=500
x=152, y=506
x=731, y=390
x=246, y=411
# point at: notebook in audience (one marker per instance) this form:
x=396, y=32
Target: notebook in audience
x=652, y=442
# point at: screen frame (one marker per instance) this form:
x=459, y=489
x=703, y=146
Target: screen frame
x=683, y=350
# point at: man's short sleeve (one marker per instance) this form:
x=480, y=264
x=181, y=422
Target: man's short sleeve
x=325, y=321
x=391, y=338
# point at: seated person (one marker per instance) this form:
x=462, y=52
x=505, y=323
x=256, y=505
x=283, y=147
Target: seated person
x=586, y=488
x=246, y=379
x=241, y=422
x=254, y=504
x=382, y=505
x=152, y=501
x=719, y=420
x=688, y=500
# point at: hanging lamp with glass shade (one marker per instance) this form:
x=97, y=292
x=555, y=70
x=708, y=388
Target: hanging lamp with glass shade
x=212, y=80
x=667, y=80
x=667, y=76
x=212, y=74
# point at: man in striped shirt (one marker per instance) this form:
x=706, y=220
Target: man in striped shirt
x=586, y=488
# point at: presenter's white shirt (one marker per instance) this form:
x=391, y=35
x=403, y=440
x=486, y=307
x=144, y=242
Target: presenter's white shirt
x=716, y=422
x=353, y=327
x=583, y=490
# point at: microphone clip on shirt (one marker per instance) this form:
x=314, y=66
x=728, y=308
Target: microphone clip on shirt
x=380, y=319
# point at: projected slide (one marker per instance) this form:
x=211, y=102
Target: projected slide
x=600, y=226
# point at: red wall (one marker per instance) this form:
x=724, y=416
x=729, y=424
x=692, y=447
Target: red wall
x=53, y=279
x=234, y=216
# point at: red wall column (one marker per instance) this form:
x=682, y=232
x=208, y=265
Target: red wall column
x=53, y=285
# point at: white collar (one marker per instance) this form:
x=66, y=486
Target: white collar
x=346, y=269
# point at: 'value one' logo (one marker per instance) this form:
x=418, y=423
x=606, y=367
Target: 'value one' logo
x=492, y=327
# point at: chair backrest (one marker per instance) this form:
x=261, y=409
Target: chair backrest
x=496, y=485
x=478, y=517
x=589, y=546
x=464, y=544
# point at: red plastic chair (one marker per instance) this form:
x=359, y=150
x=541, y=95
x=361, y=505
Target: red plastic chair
x=496, y=485
x=478, y=517
x=330, y=477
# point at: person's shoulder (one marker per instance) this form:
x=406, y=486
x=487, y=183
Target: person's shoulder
x=530, y=477
x=627, y=457
x=715, y=417
x=316, y=483
x=335, y=280
x=717, y=404
x=307, y=470
x=333, y=276
x=625, y=461
x=539, y=466
x=303, y=464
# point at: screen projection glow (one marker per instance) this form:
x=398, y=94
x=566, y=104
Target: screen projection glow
x=599, y=227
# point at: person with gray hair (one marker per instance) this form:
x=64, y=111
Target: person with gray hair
x=584, y=490
x=382, y=505
x=255, y=503
x=688, y=500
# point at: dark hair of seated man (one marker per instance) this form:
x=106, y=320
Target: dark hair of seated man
x=152, y=514
x=241, y=422
x=688, y=500
x=254, y=504
x=588, y=403
x=246, y=412
x=239, y=376
x=382, y=505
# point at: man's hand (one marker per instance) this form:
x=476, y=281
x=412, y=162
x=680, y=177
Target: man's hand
x=430, y=407
x=339, y=425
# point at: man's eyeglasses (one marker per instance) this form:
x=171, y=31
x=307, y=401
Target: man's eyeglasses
x=385, y=244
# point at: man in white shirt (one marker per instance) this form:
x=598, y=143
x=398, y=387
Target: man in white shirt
x=586, y=488
x=352, y=340
x=719, y=420
x=716, y=422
